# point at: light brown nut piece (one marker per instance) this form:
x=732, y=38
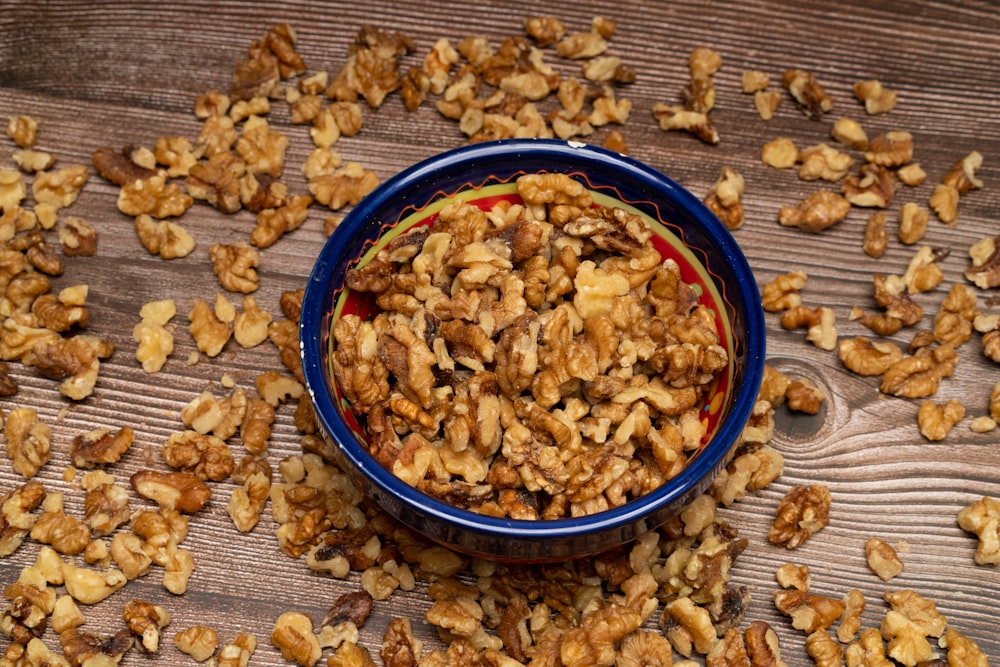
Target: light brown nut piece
x=912, y=223
x=345, y=186
x=106, y=503
x=235, y=266
x=818, y=211
x=850, y=619
x=911, y=174
x=849, y=132
x=238, y=652
x=61, y=187
x=272, y=223
x=792, y=575
x=782, y=293
x=155, y=342
x=944, y=203
x=824, y=649
x=809, y=612
x=723, y=198
x=868, y=357
x=28, y=441
x=807, y=91
x=89, y=586
x=77, y=237
x=962, y=175
x=262, y=148
x=919, y=375
x=23, y=130
x=984, y=265
x=802, y=512
x=906, y=643
x=174, y=490
x=581, y=45
x=752, y=81
x=210, y=332
x=198, y=641
x=962, y=650
x=989, y=327
x=153, y=196
x=921, y=611
x=823, y=162
x=876, y=237
x=16, y=517
x=678, y=117
x=293, y=636
x=882, y=559
x=32, y=161
x=163, y=237
x=819, y=323
x=953, y=323
x=983, y=519
x=767, y=102
x=64, y=533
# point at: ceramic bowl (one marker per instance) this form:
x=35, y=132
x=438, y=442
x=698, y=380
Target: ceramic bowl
x=685, y=230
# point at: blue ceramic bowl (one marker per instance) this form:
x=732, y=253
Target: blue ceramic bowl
x=685, y=230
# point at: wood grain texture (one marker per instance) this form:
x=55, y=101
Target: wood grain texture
x=110, y=73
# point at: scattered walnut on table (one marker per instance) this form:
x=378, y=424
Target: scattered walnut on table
x=912, y=223
x=723, y=198
x=28, y=441
x=983, y=519
x=782, y=293
x=61, y=187
x=818, y=211
x=173, y=490
x=235, y=266
x=762, y=645
x=145, y=620
x=809, y=612
x=850, y=133
x=873, y=186
x=819, y=323
x=823, y=162
x=23, y=130
x=984, y=266
x=807, y=91
x=918, y=375
x=165, y=238
x=153, y=196
x=100, y=447
x=197, y=641
x=802, y=512
x=876, y=237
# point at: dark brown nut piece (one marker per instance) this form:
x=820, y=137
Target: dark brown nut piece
x=145, y=620
x=85, y=648
x=118, y=166
x=354, y=607
x=762, y=645
x=63, y=312
x=891, y=292
x=891, y=149
x=808, y=92
x=28, y=441
x=983, y=519
x=723, y=198
x=235, y=266
x=198, y=641
x=181, y=491
x=962, y=175
x=43, y=257
x=100, y=447
x=809, y=612
x=803, y=396
x=802, y=512
x=882, y=559
x=868, y=357
x=106, y=504
x=919, y=375
x=984, y=267
x=8, y=385
x=873, y=186
x=218, y=181
x=16, y=517
x=876, y=237
x=77, y=237
x=75, y=361
x=818, y=211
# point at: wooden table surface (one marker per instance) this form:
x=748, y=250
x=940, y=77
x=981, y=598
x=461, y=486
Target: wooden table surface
x=110, y=74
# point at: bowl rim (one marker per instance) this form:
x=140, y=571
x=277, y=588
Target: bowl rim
x=588, y=156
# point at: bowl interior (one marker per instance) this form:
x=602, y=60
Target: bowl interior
x=484, y=174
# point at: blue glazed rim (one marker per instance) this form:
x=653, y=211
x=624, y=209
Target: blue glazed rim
x=414, y=188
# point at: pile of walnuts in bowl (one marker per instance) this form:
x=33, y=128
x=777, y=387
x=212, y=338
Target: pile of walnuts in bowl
x=533, y=361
